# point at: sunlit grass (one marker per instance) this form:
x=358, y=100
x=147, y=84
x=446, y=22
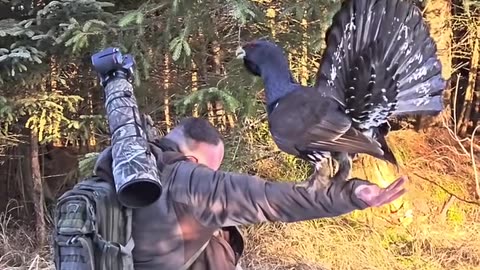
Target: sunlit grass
x=334, y=244
x=416, y=237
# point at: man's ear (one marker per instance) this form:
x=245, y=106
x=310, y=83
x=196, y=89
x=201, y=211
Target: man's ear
x=192, y=159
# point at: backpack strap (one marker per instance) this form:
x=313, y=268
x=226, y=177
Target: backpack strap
x=126, y=251
x=195, y=256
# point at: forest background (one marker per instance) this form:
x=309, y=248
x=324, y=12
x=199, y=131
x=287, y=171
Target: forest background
x=52, y=123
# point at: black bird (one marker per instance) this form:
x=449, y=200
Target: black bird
x=380, y=61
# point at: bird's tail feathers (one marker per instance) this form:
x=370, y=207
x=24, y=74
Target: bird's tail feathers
x=381, y=60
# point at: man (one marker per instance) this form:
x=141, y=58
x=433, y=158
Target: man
x=193, y=224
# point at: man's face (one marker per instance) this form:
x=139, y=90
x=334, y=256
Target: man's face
x=209, y=155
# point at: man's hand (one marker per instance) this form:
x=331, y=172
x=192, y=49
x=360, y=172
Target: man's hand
x=374, y=195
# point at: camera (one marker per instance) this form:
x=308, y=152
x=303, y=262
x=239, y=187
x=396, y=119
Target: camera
x=134, y=167
x=110, y=63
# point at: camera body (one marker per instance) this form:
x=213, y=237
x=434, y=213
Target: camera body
x=110, y=63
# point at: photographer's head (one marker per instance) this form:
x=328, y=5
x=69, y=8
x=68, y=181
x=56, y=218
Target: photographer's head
x=199, y=141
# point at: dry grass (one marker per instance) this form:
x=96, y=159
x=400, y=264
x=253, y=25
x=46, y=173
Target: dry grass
x=338, y=245
x=17, y=249
x=415, y=237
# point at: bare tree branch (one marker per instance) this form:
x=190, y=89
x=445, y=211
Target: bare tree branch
x=447, y=191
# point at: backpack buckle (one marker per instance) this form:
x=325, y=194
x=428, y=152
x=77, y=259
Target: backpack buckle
x=72, y=240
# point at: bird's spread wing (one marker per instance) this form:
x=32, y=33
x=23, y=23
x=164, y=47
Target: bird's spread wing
x=339, y=136
x=305, y=121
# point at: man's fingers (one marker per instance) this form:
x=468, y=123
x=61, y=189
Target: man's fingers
x=390, y=193
x=375, y=196
x=389, y=197
x=397, y=183
x=395, y=196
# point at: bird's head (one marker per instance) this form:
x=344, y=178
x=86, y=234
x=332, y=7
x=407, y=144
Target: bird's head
x=260, y=54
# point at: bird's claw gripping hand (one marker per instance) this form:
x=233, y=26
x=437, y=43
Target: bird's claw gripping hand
x=344, y=166
x=110, y=63
x=321, y=175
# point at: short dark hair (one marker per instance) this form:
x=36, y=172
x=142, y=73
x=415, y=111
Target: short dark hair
x=200, y=130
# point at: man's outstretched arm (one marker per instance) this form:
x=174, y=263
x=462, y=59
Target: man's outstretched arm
x=229, y=199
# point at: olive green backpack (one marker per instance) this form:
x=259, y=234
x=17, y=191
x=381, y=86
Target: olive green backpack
x=92, y=230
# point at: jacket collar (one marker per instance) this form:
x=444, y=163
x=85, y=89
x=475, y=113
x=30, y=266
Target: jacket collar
x=166, y=144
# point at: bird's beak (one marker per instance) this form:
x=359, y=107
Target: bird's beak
x=240, y=53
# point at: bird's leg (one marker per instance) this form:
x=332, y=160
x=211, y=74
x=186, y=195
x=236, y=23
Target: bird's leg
x=331, y=166
x=344, y=167
x=322, y=172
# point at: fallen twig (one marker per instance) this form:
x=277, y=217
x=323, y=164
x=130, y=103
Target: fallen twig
x=446, y=206
x=447, y=191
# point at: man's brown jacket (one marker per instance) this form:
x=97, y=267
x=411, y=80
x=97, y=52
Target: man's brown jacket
x=196, y=202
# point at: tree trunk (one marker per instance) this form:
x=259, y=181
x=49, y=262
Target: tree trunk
x=211, y=113
x=438, y=15
x=220, y=113
x=271, y=15
x=38, y=198
x=464, y=121
x=91, y=143
x=476, y=102
x=54, y=74
x=220, y=116
x=166, y=88
x=475, y=117
x=52, y=86
x=195, y=86
x=304, y=57
x=24, y=174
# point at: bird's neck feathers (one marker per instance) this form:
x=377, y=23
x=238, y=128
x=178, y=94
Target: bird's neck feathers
x=278, y=82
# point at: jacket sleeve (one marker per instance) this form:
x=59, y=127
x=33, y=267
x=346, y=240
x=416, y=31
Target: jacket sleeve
x=223, y=199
